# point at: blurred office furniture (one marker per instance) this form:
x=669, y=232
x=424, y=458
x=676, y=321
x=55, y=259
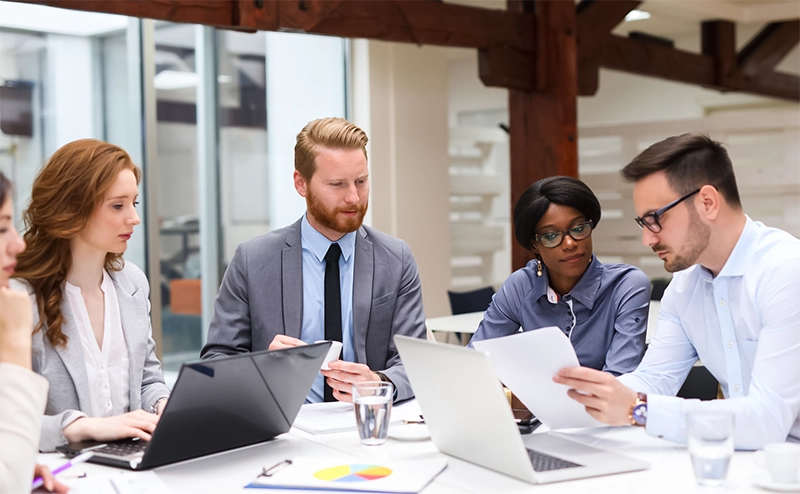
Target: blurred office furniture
x=471, y=301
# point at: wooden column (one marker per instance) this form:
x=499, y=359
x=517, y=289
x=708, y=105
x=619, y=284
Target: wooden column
x=543, y=122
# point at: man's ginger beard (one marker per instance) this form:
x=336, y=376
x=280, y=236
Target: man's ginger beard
x=330, y=218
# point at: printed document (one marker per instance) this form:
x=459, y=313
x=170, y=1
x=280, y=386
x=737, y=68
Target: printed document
x=526, y=363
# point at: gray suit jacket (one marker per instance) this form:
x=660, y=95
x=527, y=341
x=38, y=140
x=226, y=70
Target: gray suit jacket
x=262, y=296
x=65, y=367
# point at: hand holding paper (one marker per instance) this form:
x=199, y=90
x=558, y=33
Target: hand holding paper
x=526, y=363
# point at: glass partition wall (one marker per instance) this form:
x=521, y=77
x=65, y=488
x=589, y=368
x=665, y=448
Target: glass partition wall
x=210, y=116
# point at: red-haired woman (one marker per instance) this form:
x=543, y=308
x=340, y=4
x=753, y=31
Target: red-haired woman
x=92, y=336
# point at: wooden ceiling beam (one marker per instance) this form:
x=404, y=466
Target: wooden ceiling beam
x=410, y=21
x=769, y=47
x=208, y=12
x=594, y=20
x=718, y=40
x=639, y=56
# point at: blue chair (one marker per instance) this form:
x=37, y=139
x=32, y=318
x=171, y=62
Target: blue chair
x=472, y=301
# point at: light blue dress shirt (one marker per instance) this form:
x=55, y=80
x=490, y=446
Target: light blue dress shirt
x=315, y=246
x=744, y=325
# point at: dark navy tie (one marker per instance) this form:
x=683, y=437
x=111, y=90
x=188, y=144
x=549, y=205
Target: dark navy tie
x=333, y=303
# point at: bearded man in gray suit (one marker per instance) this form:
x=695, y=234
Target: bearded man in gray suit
x=273, y=293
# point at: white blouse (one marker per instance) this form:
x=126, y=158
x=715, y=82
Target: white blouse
x=106, y=367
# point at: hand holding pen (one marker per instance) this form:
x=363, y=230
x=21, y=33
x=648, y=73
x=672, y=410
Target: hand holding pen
x=43, y=476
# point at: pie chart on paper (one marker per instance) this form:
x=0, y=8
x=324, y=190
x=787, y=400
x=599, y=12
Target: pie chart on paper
x=353, y=473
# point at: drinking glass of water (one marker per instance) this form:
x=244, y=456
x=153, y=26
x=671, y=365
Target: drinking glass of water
x=710, y=436
x=373, y=404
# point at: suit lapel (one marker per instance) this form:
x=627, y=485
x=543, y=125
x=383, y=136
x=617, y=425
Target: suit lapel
x=292, y=282
x=72, y=357
x=135, y=336
x=362, y=292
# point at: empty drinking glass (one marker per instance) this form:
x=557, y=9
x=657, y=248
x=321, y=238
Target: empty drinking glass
x=373, y=404
x=710, y=435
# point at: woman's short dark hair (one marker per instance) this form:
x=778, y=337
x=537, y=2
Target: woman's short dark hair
x=5, y=188
x=534, y=202
x=689, y=161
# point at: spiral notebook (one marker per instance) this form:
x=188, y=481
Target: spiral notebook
x=349, y=473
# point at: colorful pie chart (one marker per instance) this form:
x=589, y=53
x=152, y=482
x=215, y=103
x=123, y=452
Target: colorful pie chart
x=353, y=473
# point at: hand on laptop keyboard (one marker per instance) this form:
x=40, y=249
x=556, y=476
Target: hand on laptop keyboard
x=138, y=423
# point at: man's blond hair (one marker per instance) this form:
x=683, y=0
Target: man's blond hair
x=333, y=133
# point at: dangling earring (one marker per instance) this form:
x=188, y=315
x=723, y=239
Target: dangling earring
x=538, y=267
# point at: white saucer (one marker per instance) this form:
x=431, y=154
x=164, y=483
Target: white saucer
x=410, y=432
x=763, y=480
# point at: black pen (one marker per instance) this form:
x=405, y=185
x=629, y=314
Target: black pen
x=269, y=472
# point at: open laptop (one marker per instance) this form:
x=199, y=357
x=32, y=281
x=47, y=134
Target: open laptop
x=220, y=404
x=469, y=417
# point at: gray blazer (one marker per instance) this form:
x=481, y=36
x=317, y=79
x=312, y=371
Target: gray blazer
x=65, y=367
x=262, y=296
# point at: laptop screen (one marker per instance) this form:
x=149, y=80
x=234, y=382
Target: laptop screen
x=235, y=401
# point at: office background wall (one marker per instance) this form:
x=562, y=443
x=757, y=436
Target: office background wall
x=438, y=158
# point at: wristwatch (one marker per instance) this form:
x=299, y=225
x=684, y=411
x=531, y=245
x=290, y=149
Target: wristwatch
x=638, y=411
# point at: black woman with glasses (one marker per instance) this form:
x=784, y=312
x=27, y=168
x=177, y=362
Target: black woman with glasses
x=602, y=308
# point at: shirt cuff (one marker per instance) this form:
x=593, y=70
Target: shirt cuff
x=665, y=418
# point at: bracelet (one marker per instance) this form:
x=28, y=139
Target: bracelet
x=154, y=408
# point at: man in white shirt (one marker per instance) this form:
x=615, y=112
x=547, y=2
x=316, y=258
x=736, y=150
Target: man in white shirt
x=734, y=303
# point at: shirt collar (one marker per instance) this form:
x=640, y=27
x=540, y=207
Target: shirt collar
x=584, y=292
x=737, y=262
x=319, y=244
x=586, y=289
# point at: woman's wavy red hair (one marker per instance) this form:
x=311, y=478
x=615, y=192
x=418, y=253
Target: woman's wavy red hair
x=66, y=192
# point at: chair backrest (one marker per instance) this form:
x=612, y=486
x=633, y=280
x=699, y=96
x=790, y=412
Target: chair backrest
x=699, y=384
x=474, y=301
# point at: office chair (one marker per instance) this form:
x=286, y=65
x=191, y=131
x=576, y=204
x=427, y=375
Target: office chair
x=699, y=384
x=472, y=301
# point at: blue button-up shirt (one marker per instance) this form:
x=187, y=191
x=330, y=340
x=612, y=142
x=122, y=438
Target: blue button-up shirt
x=315, y=246
x=744, y=325
x=604, y=315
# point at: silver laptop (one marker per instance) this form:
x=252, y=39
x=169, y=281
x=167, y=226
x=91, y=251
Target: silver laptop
x=469, y=418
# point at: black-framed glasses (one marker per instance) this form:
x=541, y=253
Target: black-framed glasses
x=651, y=220
x=580, y=231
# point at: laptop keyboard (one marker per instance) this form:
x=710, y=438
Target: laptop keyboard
x=123, y=448
x=543, y=463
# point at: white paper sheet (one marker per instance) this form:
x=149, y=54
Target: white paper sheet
x=526, y=363
x=119, y=482
x=327, y=418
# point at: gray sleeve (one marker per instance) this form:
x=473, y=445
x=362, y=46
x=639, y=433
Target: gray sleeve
x=153, y=385
x=408, y=320
x=230, y=330
x=502, y=316
x=632, y=296
x=52, y=429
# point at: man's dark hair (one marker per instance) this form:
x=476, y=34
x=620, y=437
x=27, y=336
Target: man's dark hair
x=534, y=202
x=690, y=161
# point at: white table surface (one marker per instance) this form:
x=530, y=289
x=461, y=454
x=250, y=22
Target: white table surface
x=670, y=470
x=461, y=323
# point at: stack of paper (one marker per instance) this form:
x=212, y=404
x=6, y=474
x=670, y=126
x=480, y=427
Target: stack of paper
x=348, y=473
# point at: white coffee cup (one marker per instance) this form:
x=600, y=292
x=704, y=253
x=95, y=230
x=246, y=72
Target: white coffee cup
x=782, y=461
x=333, y=353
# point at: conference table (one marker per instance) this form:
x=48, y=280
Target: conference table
x=670, y=471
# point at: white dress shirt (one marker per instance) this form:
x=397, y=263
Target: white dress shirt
x=744, y=325
x=106, y=367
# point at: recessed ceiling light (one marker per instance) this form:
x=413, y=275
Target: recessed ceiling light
x=637, y=15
